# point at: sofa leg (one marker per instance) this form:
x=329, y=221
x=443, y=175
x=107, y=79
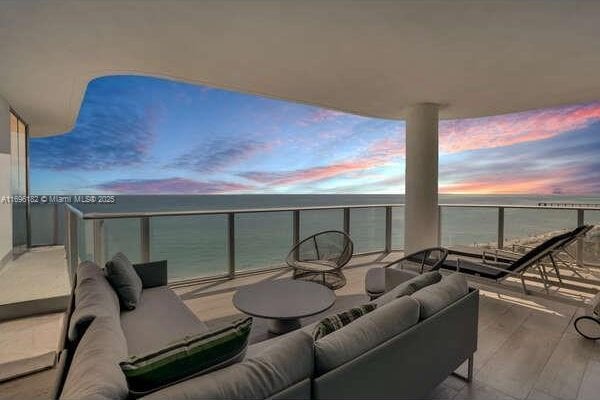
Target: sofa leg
x=469, y=377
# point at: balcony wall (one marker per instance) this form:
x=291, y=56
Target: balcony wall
x=5, y=209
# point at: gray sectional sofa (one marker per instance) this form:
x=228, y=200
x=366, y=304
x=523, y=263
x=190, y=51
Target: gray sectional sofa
x=402, y=349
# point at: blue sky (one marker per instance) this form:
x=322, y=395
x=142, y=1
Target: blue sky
x=148, y=135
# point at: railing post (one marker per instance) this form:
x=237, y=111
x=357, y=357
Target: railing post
x=145, y=239
x=500, y=227
x=98, y=241
x=295, y=227
x=55, y=240
x=388, y=229
x=439, y=222
x=231, y=243
x=579, y=248
x=347, y=220
x=72, y=237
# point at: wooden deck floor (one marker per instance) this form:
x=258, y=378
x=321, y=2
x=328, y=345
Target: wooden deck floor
x=527, y=349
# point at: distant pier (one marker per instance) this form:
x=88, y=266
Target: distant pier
x=569, y=205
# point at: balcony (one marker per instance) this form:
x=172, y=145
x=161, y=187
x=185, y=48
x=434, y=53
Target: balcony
x=527, y=346
x=227, y=243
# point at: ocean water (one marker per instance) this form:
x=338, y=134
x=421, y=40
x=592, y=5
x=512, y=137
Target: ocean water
x=197, y=245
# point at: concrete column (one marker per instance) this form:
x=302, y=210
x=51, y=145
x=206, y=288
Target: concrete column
x=421, y=188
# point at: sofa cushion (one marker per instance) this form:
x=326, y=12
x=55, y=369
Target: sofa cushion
x=337, y=321
x=365, y=333
x=159, y=319
x=94, y=297
x=435, y=297
x=188, y=357
x=409, y=287
x=124, y=280
x=287, y=360
x=94, y=372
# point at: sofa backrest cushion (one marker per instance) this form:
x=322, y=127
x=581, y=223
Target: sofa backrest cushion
x=409, y=287
x=124, y=280
x=435, y=297
x=94, y=372
x=188, y=357
x=286, y=361
x=94, y=297
x=366, y=332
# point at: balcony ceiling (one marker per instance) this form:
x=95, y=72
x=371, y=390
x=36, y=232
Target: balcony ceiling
x=365, y=57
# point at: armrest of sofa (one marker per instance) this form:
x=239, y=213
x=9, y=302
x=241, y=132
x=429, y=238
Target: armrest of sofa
x=152, y=274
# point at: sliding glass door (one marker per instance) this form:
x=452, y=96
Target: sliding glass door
x=19, y=184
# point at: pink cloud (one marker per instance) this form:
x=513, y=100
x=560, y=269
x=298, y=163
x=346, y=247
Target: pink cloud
x=378, y=154
x=321, y=115
x=172, y=186
x=539, y=182
x=506, y=130
x=458, y=136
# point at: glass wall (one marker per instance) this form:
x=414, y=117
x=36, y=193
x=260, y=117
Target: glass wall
x=194, y=246
x=367, y=229
x=469, y=226
x=262, y=240
x=18, y=155
x=315, y=221
x=591, y=242
x=397, y=228
x=530, y=227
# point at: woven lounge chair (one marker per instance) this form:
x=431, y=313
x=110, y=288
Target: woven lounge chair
x=321, y=257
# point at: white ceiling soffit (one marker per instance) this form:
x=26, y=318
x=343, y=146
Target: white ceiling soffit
x=366, y=57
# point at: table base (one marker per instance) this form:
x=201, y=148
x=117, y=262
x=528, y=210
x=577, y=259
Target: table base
x=281, y=326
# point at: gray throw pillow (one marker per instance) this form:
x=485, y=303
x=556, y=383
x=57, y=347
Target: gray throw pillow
x=123, y=278
x=409, y=287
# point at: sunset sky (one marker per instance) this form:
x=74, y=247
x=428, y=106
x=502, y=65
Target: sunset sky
x=138, y=135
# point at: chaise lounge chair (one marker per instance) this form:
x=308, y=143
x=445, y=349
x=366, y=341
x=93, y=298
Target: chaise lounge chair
x=495, y=268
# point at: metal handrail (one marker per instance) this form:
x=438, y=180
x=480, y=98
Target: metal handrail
x=98, y=218
x=141, y=214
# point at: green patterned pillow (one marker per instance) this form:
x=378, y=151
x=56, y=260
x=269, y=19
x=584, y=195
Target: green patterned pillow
x=192, y=356
x=337, y=321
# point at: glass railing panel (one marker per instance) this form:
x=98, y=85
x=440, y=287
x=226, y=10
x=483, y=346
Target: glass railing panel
x=367, y=229
x=85, y=239
x=262, y=240
x=122, y=234
x=42, y=220
x=529, y=227
x=315, y=221
x=194, y=246
x=469, y=226
x=591, y=242
x=397, y=228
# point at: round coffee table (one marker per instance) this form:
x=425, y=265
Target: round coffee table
x=283, y=302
